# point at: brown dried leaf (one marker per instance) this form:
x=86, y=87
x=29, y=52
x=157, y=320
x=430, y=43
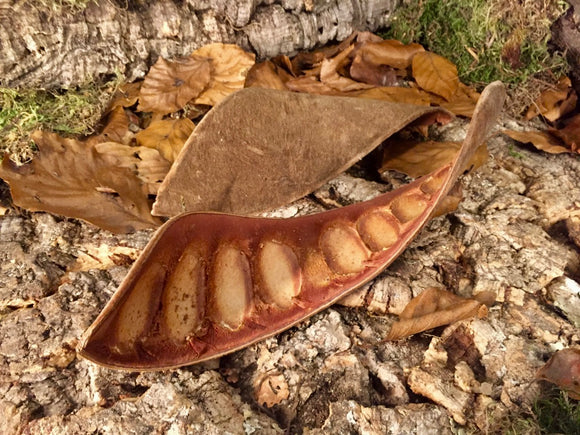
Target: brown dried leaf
x=170, y=85
x=126, y=95
x=329, y=73
x=271, y=389
x=267, y=75
x=554, y=103
x=462, y=102
x=395, y=94
x=435, y=74
x=570, y=133
x=167, y=136
x=387, y=53
x=420, y=158
x=229, y=67
x=144, y=162
x=437, y=307
x=310, y=85
x=72, y=179
x=542, y=140
x=116, y=128
x=563, y=369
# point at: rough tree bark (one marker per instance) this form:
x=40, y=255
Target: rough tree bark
x=42, y=48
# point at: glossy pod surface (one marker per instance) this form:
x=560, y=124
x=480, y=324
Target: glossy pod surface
x=208, y=284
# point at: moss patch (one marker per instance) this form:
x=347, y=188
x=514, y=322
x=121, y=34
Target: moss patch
x=72, y=112
x=487, y=39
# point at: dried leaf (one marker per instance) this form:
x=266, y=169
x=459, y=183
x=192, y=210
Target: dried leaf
x=267, y=160
x=126, y=95
x=167, y=136
x=437, y=307
x=563, y=369
x=390, y=53
x=271, y=389
x=395, y=94
x=570, y=133
x=462, y=102
x=329, y=73
x=554, y=103
x=310, y=85
x=229, y=67
x=144, y=162
x=435, y=74
x=420, y=158
x=116, y=128
x=267, y=75
x=170, y=85
x=72, y=179
x=542, y=140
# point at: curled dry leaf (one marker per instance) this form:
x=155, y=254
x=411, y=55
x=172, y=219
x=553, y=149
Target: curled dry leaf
x=170, y=85
x=310, y=85
x=146, y=163
x=167, y=136
x=126, y=95
x=462, y=102
x=435, y=74
x=570, y=133
x=229, y=67
x=395, y=94
x=271, y=389
x=69, y=178
x=329, y=73
x=554, y=103
x=437, y=307
x=116, y=128
x=563, y=369
x=267, y=75
x=374, y=62
x=419, y=158
x=542, y=140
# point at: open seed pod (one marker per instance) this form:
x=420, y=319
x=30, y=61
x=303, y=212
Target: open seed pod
x=208, y=284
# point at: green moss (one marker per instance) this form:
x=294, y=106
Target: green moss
x=487, y=39
x=72, y=112
x=558, y=414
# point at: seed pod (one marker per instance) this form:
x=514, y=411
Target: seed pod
x=250, y=278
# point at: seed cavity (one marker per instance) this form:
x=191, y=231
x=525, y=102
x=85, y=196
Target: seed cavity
x=184, y=295
x=408, y=207
x=378, y=230
x=136, y=313
x=432, y=184
x=343, y=249
x=279, y=274
x=231, y=287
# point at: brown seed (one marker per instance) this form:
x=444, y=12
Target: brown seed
x=280, y=275
x=184, y=295
x=433, y=183
x=343, y=249
x=408, y=207
x=135, y=312
x=231, y=287
x=379, y=230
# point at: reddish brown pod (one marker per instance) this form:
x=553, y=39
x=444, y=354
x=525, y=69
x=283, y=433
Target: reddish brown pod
x=208, y=284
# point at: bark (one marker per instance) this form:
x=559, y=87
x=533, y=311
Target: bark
x=44, y=48
x=331, y=373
